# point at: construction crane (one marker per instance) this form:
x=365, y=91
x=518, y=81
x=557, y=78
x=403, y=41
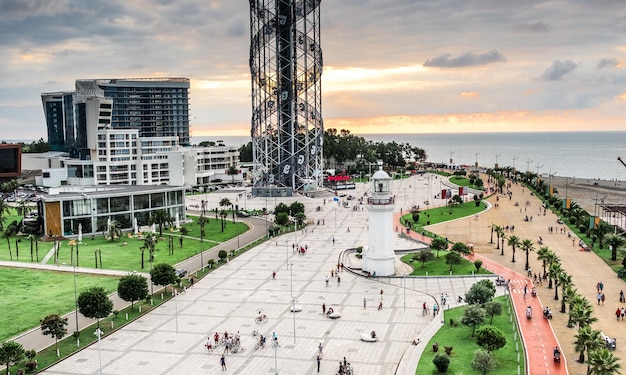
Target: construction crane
x=621, y=161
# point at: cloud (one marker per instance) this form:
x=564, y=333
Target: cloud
x=466, y=59
x=558, y=70
x=470, y=94
x=534, y=27
x=603, y=63
x=20, y=9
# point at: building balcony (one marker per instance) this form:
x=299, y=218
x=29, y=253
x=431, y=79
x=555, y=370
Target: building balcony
x=380, y=201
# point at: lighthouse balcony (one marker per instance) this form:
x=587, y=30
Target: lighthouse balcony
x=380, y=201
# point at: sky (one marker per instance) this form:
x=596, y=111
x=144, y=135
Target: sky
x=390, y=66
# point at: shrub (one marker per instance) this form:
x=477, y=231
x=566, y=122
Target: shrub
x=211, y=263
x=478, y=264
x=222, y=255
x=441, y=361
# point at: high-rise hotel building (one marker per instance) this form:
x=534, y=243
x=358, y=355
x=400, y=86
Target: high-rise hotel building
x=157, y=107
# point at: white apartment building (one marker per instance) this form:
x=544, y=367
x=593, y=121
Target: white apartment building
x=121, y=157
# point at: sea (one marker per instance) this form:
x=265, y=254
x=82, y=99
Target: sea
x=587, y=155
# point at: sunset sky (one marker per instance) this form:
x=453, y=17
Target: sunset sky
x=391, y=66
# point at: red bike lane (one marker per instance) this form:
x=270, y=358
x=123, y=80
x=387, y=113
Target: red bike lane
x=538, y=337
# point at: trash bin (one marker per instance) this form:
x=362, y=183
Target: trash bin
x=621, y=273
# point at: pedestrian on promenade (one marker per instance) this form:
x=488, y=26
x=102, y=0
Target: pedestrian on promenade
x=320, y=351
x=525, y=290
x=435, y=308
x=364, y=303
x=324, y=308
x=599, y=297
x=319, y=360
x=333, y=240
x=326, y=280
x=623, y=312
x=223, y=362
x=602, y=298
x=601, y=285
x=273, y=275
x=381, y=294
x=338, y=280
x=618, y=313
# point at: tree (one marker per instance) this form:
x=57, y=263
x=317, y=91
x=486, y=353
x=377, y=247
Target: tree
x=587, y=339
x=132, y=288
x=472, y=316
x=553, y=273
x=5, y=210
x=483, y=361
x=461, y=248
x=439, y=243
x=441, y=361
x=514, y=242
x=281, y=218
x=477, y=264
x=296, y=208
x=160, y=218
x=542, y=255
x=163, y=274
x=94, y=303
x=232, y=171
x=601, y=230
x=490, y=338
x=603, y=362
x=53, y=325
x=11, y=352
x=615, y=241
x=479, y=294
x=527, y=246
x=564, y=280
x=149, y=243
x=492, y=308
x=245, y=152
x=453, y=258
x=424, y=256
x=281, y=207
x=582, y=314
x=499, y=231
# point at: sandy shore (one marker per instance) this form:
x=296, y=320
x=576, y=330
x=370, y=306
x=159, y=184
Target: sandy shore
x=587, y=192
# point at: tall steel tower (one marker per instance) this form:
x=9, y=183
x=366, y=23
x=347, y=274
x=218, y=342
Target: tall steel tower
x=286, y=69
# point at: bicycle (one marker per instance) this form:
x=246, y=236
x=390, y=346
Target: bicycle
x=255, y=333
x=426, y=311
x=259, y=344
x=261, y=318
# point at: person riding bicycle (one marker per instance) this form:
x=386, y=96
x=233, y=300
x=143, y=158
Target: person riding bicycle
x=262, y=341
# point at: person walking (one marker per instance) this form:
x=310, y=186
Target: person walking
x=364, y=303
x=273, y=275
x=319, y=360
x=320, y=351
x=324, y=308
x=223, y=362
x=338, y=280
x=326, y=280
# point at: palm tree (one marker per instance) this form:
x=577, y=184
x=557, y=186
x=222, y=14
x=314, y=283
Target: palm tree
x=115, y=232
x=615, y=241
x=22, y=210
x=575, y=300
x=568, y=294
x=149, y=243
x=583, y=315
x=232, y=171
x=563, y=280
x=514, y=241
x=552, y=259
x=161, y=217
x=5, y=210
x=499, y=230
x=224, y=202
x=602, y=362
x=601, y=230
x=527, y=246
x=553, y=273
x=542, y=255
x=587, y=339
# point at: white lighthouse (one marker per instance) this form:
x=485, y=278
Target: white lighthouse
x=379, y=256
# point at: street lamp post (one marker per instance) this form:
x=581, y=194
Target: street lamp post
x=293, y=301
x=75, y=300
x=491, y=238
x=275, y=357
x=99, y=333
x=176, y=307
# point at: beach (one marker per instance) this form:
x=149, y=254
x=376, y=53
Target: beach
x=587, y=192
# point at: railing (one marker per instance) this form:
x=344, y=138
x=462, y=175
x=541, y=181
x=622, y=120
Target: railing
x=380, y=201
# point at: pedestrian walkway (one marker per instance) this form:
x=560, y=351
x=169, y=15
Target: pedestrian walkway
x=171, y=338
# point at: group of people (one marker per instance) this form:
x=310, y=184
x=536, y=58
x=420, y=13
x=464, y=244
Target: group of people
x=228, y=340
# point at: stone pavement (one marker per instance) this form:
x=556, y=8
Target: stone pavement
x=171, y=338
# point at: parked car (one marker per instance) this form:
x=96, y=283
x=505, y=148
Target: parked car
x=181, y=272
x=242, y=214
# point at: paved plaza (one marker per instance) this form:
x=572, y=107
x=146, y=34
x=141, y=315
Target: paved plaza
x=171, y=338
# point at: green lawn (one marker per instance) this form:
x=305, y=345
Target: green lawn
x=441, y=214
x=29, y=295
x=464, y=346
x=124, y=254
x=463, y=181
x=438, y=266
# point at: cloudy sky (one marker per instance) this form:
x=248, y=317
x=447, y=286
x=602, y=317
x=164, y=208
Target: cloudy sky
x=391, y=66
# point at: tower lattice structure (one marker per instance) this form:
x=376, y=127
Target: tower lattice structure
x=286, y=68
